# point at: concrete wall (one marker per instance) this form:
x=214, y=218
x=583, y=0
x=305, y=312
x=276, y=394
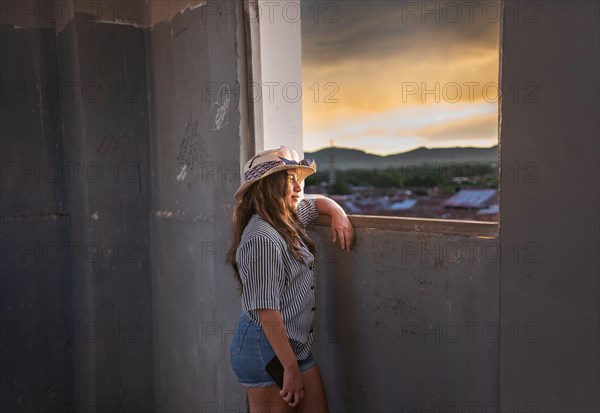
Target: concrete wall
x=195, y=152
x=408, y=322
x=35, y=287
x=127, y=117
x=76, y=299
x=57, y=14
x=110, y=134
x=549, y=211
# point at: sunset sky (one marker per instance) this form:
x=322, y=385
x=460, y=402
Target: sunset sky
x=381, y=61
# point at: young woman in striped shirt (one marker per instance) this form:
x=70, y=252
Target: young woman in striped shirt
x=275, y=267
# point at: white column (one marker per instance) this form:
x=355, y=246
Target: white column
x=281, y=74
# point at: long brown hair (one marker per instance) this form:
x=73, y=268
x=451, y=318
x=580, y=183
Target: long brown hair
x=266, y=197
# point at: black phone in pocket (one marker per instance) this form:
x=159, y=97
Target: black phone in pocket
x=275, y=370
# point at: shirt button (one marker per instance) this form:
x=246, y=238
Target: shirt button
x=311, y=330
x=313, y=309
x=312, y=287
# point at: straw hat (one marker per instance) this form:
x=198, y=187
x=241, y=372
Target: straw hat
x=270, y=161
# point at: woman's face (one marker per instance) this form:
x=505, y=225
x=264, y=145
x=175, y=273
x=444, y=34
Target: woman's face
x=292, y=194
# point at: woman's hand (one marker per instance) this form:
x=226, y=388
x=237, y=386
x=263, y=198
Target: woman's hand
x=274, y=329
x=342, y=229
x=293, y=390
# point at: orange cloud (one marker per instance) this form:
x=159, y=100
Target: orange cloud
x=377, y=58
x=476, y=127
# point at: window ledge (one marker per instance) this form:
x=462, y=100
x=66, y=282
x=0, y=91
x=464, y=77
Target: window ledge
x=422, y=225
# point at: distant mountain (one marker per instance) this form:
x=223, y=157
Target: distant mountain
x=347, y=158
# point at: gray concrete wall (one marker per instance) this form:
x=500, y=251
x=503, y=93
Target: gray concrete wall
x=108, y=131
x=148, y=160
x=195, y=152
x=549, y=209
x=408, y=322
x=76, y=313
x=35, y=283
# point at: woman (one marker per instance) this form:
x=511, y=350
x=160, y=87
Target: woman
x=274, y=264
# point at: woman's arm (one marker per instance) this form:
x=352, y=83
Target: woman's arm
x=274, y=328
x=341, y=227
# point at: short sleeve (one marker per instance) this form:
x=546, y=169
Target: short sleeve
x=307, y=211
x=262, y=272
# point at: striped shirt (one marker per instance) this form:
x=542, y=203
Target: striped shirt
x=272, y=278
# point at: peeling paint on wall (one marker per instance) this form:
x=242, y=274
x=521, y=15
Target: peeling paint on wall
x=181, y=216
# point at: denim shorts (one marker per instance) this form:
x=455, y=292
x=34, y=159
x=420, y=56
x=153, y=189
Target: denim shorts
x=250, y=351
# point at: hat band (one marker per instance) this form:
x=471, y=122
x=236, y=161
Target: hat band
x=259, y=170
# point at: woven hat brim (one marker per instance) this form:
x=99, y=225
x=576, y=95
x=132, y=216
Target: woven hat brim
x=304, y=172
